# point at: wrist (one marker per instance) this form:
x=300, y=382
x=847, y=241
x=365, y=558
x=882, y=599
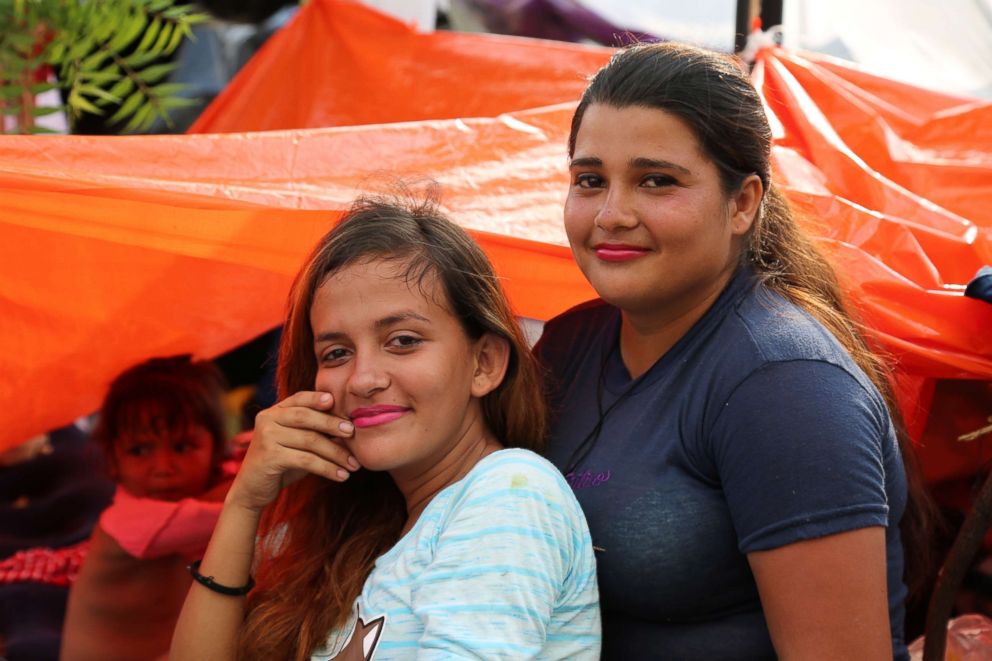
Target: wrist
x=237, y=503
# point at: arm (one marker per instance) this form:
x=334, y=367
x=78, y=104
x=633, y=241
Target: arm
x=513, y=550
x=825, y=598
x=800, y=449
x=291, y=439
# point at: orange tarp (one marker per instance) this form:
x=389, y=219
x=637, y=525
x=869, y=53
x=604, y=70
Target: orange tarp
x=117, y=249
x=343, y=64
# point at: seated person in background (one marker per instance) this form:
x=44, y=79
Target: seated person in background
x=161, y=427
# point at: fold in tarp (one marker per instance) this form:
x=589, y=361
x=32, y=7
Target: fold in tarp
x=341, y=63
x=117, y=249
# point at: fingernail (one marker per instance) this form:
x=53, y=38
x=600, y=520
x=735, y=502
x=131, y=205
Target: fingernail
x=354, y=463
x=346, y=427
x=325, y=398
x=343, y=474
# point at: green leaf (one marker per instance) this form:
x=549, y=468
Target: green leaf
x=39, y=130
x=56, y=52
x=185, y=13
x=41, y=88
x=168, y=89
x=155, y=73
x=138, y=60
x=8, y=92
x=128, y=107
x=81, y=48
x=133, y=27
x=93, y=90
x=177, y=38
x=122, y=88
x=142, y=119
x=12, y=63
x=94, y=61
x=98, y=77
x=78, y=103
x=151, y=32
x=179, y=102
x=41, y=111
x=22, y=43
x=163, y=39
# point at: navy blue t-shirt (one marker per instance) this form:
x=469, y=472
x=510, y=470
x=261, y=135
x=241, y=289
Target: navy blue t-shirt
x=754, y=431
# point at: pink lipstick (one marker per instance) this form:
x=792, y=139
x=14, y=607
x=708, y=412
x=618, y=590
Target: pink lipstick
x=618, y=252
x=372, y=416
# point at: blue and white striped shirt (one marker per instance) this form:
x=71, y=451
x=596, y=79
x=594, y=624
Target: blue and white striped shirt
x=499, y=566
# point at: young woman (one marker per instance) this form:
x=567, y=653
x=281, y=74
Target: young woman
x=409, y=517
x=725, y=427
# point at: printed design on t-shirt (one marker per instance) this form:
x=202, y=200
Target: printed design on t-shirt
x=363, y=641
x=587, y=479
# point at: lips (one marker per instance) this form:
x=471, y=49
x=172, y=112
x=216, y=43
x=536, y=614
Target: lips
x=170, y=493
x=373, y=416
x=618, y=252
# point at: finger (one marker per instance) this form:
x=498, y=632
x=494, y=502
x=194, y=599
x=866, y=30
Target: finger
x=328, y=449
x=310, y=399
x=299, y=461
x=301, y=417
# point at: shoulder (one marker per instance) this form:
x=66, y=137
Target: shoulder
x=764, y=329
x=574, y=329
x=574, y=319
x=779, y=330
x=516, y=470
x=519, y=488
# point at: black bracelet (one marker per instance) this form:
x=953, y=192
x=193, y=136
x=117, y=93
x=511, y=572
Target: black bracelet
x=209, y=583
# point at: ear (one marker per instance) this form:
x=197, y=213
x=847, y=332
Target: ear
x=492, y=357
x=744, y=204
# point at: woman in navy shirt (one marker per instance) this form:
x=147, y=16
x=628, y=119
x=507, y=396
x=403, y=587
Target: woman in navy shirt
x=725, y=427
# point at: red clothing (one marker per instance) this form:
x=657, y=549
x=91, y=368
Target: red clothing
x=147, y=528
x=44, y=565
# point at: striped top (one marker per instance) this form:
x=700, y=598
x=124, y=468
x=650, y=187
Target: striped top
x=499, y=566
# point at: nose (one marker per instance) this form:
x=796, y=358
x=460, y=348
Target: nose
x=617, y=211
x=367, y=375
x=163, y=461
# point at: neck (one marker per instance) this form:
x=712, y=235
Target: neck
x=646, y=336
x=419, y=486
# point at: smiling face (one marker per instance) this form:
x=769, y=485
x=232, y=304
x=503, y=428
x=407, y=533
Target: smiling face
x=399, y=365
x=647, y=218
x=162, y=463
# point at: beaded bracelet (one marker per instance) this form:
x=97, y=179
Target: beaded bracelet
x=209, y=583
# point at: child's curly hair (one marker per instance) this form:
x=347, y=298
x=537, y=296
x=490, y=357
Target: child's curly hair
x=171, y=394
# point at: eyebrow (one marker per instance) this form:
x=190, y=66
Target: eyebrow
x=379, y=324
x=639, y=163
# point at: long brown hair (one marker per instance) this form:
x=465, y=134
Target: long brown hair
x=712, y=94
x=320, y=538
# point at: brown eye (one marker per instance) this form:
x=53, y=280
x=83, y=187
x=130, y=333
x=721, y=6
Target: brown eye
x=405, y=341
x=589, y=181
x=657, y=181
x=334, y=355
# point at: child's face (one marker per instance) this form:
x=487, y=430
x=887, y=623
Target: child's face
x=163, y=464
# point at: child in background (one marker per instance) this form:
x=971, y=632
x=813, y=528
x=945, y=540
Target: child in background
x=162, y=430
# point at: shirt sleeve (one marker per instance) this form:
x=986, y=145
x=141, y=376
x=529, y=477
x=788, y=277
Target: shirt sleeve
x=148, y=528
x=512, y=550
x=799, y=450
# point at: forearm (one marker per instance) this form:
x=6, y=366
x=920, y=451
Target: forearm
x=208, y=626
